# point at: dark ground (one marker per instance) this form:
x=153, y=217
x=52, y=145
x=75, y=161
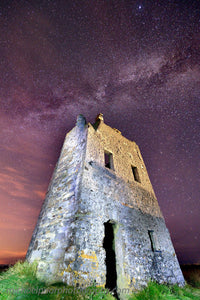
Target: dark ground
x=191, y=274
x=4, y=268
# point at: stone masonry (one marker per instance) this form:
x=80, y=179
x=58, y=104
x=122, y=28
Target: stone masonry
x=100, y=222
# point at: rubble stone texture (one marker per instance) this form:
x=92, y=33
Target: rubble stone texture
x=102, y=223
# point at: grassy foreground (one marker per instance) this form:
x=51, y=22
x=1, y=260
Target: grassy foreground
x=20, y=282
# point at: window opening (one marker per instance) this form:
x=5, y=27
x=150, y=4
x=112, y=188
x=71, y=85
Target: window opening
x=135, y=174
x=108, y=159
x=152, y=239
x=108, y=244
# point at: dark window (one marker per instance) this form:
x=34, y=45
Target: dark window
x=135, y=174
x=108, y=158
x=151, y=236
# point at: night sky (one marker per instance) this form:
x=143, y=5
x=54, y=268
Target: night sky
x=137, y=62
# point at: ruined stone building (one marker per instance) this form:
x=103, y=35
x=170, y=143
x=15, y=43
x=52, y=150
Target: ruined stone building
x=101, y=222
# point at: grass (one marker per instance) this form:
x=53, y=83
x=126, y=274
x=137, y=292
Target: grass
x=156, y=291
x=20, y=282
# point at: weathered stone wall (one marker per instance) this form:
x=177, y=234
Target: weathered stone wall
x=53, y=239
x=83, y=195
x=132, y=207
x=125, y=153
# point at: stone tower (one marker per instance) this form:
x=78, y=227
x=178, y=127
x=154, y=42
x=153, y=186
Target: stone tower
x=100, y=221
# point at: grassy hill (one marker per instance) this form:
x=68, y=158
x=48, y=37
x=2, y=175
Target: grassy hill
x=20, y=282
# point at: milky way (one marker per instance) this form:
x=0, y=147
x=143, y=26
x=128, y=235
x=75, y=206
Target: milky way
x=137, y=62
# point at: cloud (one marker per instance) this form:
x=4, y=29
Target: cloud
x=141, y=68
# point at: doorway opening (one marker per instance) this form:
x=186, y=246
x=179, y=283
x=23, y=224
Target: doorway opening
x=108, y=244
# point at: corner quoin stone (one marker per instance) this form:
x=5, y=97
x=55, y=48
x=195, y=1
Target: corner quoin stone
x=100, y=179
